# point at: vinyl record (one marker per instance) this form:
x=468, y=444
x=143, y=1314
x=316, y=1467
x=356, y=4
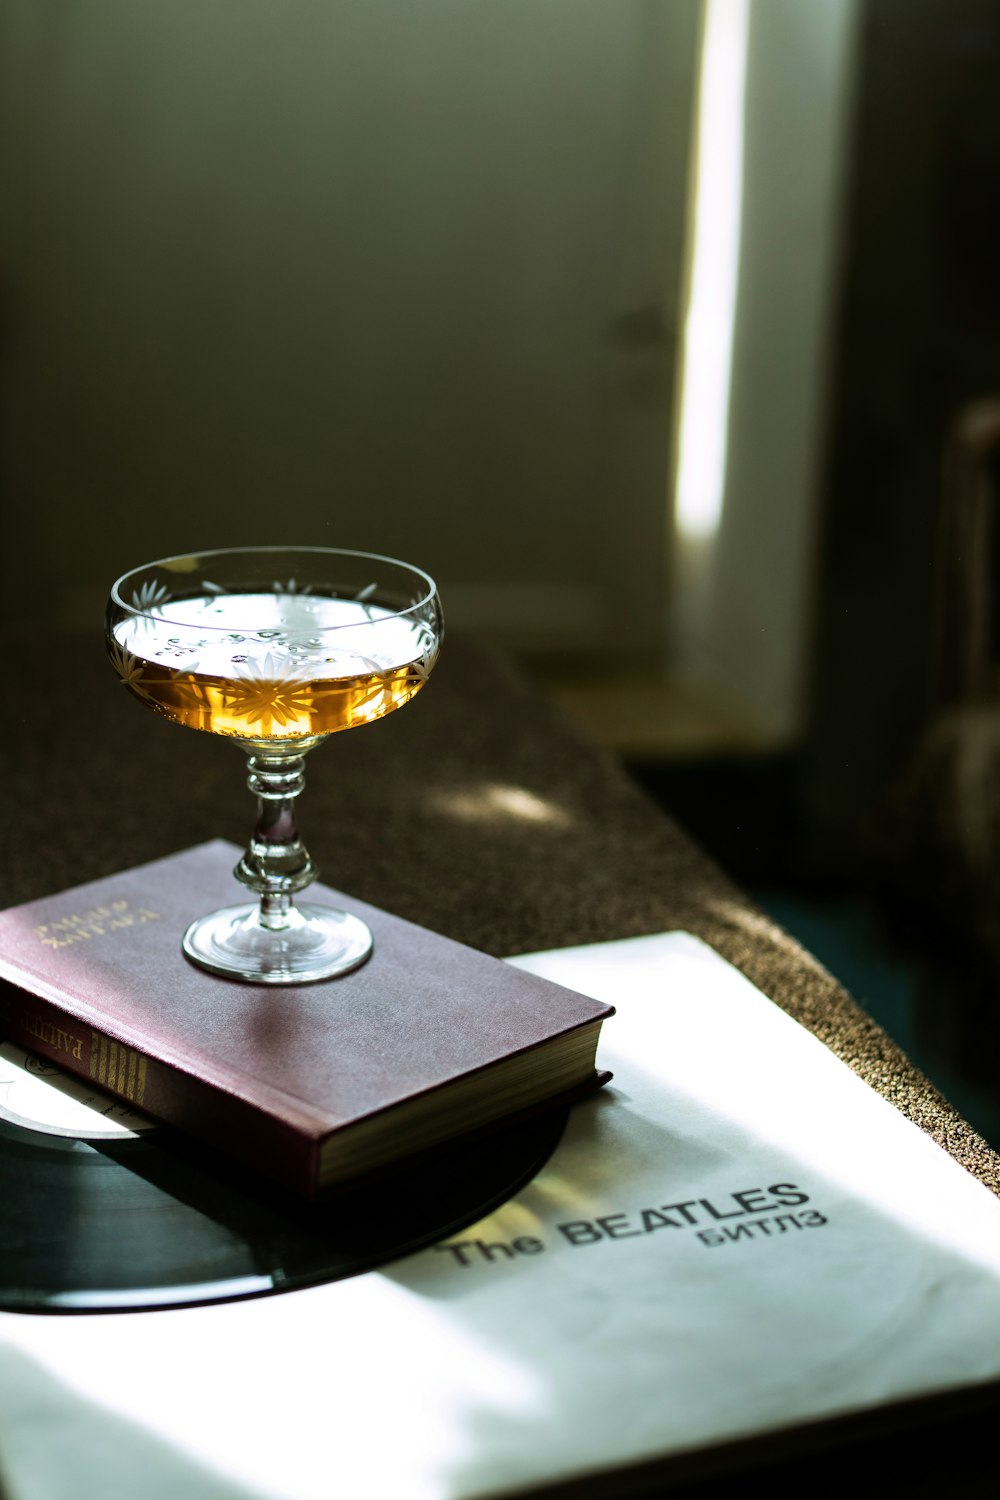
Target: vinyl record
x=132, y=1217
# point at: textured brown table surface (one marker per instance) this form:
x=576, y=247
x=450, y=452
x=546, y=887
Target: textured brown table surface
x=480, y=814
x=476, y=811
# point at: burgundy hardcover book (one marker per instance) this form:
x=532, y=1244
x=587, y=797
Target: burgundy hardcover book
x=315, y=1085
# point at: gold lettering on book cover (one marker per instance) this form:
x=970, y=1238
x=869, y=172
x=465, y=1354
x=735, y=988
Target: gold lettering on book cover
x=83, y=927
x=117, y=1067
x=54, y=1036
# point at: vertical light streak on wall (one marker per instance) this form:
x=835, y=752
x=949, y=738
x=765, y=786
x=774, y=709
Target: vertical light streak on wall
x=714, y=262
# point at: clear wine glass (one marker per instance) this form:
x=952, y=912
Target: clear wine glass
x=275, y=648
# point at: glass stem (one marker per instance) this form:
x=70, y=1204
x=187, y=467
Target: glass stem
x=276, y=863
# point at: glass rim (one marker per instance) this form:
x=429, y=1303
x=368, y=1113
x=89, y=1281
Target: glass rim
x=430, y=587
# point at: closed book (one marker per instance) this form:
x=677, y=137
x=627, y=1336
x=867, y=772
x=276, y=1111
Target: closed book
x=315, y=1085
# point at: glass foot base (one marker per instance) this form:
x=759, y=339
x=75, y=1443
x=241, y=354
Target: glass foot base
x=317, y=942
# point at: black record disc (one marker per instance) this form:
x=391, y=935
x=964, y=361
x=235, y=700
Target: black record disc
x=155, y=1220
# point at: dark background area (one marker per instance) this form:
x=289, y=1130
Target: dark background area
x=867, y=862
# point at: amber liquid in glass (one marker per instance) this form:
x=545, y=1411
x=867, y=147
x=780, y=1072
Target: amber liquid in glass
x=270, y=666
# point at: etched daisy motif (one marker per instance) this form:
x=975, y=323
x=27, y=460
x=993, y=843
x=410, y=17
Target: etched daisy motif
x=128, y=667
x=268, y=693
x=149, y=594
x=291, y=587
x=381, y=697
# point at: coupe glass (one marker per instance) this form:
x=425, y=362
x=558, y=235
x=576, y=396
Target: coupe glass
x=276, y=648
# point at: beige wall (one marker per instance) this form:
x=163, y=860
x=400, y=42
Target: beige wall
x=379, y=273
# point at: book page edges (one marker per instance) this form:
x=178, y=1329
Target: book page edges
x=356, y=1150
x=318, y=1155
x=255, y=1091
